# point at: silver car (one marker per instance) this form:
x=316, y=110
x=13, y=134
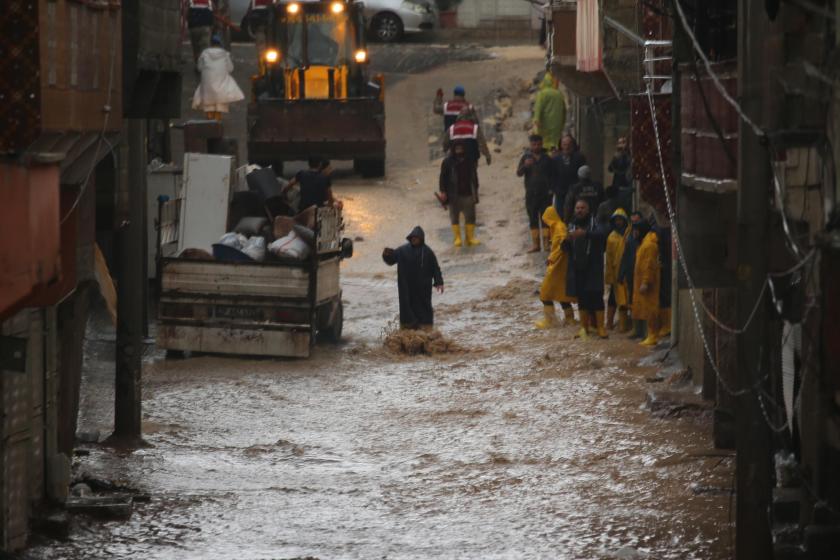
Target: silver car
x=388, y=20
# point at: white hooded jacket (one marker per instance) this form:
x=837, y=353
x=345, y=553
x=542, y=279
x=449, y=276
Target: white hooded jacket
x=217, y=88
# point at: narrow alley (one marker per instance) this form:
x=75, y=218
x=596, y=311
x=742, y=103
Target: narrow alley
x=515, y=443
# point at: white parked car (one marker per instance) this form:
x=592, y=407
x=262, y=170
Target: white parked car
x=388, y=20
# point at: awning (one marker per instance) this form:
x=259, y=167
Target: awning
x=79, y=151
x=585, y=84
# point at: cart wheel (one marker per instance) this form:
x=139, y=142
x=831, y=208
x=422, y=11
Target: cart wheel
x=333, y=332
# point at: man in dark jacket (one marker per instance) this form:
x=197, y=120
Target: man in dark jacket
x=417, y=272
x=566, y=164
x=538, y=170
x=612, y=202
x=585, y=245
x=585, y=188
x=459, y=190
x=620, y=168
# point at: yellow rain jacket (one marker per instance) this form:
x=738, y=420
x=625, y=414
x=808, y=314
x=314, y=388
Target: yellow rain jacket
x=554, y=284
x=615, y=250
x=646, y=306
x=550, y=113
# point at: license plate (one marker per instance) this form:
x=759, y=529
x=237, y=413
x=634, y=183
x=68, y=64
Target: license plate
x=236, y=312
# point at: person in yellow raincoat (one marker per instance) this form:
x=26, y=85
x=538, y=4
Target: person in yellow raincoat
x=550, y=112
x=646, y=279
x=554, y=284
x=618, y=290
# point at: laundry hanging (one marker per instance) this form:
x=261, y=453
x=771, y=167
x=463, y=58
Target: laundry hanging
x=588, y=37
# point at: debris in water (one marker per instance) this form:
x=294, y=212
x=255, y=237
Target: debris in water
x=413, y=342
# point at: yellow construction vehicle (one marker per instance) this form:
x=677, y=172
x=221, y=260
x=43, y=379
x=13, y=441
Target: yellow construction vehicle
x=313, y=94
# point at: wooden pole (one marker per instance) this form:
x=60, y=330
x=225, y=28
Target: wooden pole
x=130, y=289
x=753, y=438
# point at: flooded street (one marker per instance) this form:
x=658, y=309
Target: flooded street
x=519, y=443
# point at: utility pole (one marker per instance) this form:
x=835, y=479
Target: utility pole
x=753, y=436
x=131, y=288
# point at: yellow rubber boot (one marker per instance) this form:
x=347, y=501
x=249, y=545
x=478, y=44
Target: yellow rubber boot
x=583, y=334
x=549, y=319
x=569, y=316
x=535, y=241
x=665, y=318
x=471, y=240
x=624, y=324
x=599, y=322
x=456, y=232
x=652, y=336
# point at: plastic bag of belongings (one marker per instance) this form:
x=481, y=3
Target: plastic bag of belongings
x=265, y=224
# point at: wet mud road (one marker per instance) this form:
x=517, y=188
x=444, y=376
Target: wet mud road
x=519, y=444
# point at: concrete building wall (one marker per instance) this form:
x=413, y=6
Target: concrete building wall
x=486, y=13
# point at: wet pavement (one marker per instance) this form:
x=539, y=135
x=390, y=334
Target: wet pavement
x=521, y=444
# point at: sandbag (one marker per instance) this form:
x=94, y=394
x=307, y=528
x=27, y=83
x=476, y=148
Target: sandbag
x=291, y=246
x=255, y=248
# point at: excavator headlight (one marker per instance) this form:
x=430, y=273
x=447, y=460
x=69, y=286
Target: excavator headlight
x=271, y=56
x=361, y=56
x=337, y=7
x=293, y=8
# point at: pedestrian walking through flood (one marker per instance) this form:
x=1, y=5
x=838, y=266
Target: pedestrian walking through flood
x=417, y=272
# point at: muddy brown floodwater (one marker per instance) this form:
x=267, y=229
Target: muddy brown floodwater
x=512, y=443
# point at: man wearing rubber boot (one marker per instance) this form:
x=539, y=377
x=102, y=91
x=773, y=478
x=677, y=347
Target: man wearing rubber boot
x=618, y=300
x=554, y=284
x=646, y=278
x=585, y=246
x=459, y=190
x=417, y=272
x=537, y=169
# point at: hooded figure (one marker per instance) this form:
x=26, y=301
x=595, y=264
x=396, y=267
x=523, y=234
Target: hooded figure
x=646, y=279
x=616, y=242
x=554, y=284
x=217, y=89
x=550, y=112
x=417, y=272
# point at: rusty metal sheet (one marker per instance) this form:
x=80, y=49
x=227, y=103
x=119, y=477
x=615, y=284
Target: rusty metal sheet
x=29, y=232
x=250, y=342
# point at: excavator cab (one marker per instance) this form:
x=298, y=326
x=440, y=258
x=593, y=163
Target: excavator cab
x=313, y=93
